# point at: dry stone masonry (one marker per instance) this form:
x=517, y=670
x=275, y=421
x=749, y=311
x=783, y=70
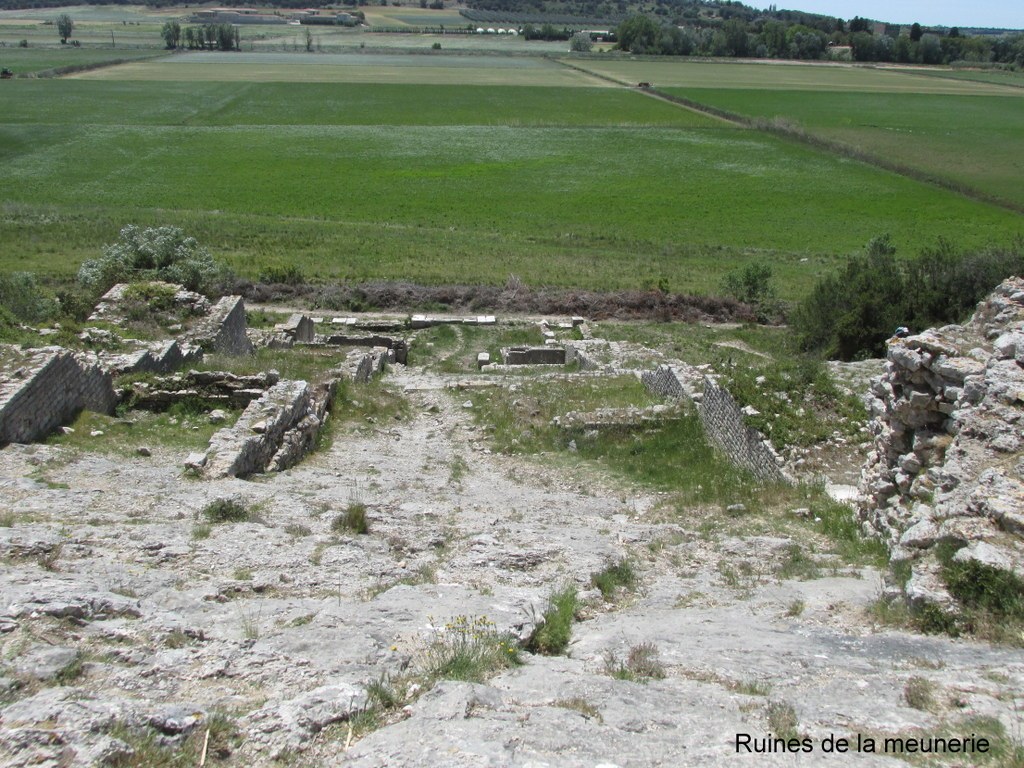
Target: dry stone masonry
x=269, y=434
x=721, y=418
x=672, y=381
x=46, y=388
x=948, y=459
x=724, y=426
x=533, y=356
x=399, y=347
x=224, y=329
x=157, y=357
x=215, y=387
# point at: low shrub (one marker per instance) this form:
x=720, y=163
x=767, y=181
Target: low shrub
x=850, y=314
x=161, y=253
x=25, y=300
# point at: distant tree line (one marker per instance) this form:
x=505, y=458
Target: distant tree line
x=212, y=37
x=769, y=38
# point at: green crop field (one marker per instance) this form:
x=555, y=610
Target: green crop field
x=587, y=186
x=390, y=16
x=442, y=168
x=132, y=103
x=423, y=69
x=1015, y=79
x=974, y=140
x=90, y=13
x=27, y=60
x=680, y=73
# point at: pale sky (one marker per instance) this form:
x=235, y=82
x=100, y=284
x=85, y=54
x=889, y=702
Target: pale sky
x=1008, y=14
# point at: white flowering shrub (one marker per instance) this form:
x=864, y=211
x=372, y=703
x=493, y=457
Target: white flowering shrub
x=161, y=253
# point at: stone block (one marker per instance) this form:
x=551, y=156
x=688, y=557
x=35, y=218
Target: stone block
x=299, y=327
x=224, y=329
x=533, y=355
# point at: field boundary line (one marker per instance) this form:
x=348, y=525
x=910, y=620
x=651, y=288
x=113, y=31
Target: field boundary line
x=74, y=69
x=655, y=94
x=798, y=134
x=942, y=75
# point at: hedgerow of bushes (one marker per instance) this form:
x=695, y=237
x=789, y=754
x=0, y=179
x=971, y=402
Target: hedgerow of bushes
x=850, y=314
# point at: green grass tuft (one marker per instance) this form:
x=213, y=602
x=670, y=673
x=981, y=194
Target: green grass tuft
x=352, y=519
x=642, y=663
x=612, y=577
x=552, y=636
x=468, y=649
x=227, y=511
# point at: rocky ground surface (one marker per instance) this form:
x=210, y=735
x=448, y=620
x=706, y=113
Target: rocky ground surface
x=116, y=618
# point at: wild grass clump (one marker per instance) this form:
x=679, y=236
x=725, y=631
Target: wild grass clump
x=469, y=649
x=227, y=511
x=990, y=601
x=983, y=587
x=797, y=564
x=147, y=751
x=782, y=720
x=641, y=664
x=839, y=524
x=919, y=693
x=551, y=637
x=353, y=520
x=1004, y=751
x=580, y=705
x=612, y=577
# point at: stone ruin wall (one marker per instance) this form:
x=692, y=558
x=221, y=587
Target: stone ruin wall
x=160, y=357
x=533, y=356
x=252, y=444
x=668, y=382
x=948, y=459
x=721, y=417
x=276, y=430
x=53, y=386
x=724, y=426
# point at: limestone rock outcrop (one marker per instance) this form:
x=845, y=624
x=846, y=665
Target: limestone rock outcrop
x=947, y=469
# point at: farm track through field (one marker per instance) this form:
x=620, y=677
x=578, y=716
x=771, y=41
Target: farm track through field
x=817, y=142
x=654, y=94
